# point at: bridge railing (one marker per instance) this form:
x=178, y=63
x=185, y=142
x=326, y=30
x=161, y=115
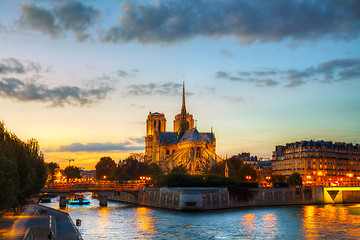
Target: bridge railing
x=94, y=185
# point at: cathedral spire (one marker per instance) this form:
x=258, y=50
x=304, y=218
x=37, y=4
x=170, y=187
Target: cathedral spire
x=184, y=125
x=183, y=107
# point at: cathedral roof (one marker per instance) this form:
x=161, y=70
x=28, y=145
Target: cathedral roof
x=168, y=137
x=208, y=137
x=189, y=135
x=194, y=135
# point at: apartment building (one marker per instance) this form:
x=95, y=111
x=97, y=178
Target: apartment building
x=320, y=163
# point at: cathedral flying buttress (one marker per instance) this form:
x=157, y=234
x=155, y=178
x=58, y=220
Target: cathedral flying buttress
x=185, y=146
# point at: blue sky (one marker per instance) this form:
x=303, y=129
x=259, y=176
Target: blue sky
x=81, y=76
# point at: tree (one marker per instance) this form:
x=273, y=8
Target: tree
x=22, y=170
x=137, y=156
x=155, y=169
x=278, y=178
x=294, y=180
x=51, y=166
x=179, y=169
x=133, y=169
x=245, y=172
x=105, y=168
x=72, y=172
x=237, y=169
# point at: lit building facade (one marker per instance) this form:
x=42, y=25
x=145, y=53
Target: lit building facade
x=320, y=163
x=247, y=159
x=185, y=146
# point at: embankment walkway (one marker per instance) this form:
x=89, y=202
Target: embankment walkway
x=37, y=221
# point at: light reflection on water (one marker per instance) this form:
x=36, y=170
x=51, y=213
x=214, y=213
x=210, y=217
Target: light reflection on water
x=122, y=221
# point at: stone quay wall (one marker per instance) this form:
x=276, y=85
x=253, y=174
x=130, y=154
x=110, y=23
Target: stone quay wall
x=215, y=198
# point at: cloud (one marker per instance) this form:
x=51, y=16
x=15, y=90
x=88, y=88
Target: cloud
x=246, y=77
x=164, y=89
x=40, y=19
x=66, y=16
x=171, y=21
x=226, y=53
x=76, y=17
x=122, y=73
x=336, y=70
x=131, y=144
x=235, y=99
x=13, y=65
x=57, y=97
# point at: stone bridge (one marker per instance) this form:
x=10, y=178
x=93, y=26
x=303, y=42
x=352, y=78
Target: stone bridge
x=103, y=190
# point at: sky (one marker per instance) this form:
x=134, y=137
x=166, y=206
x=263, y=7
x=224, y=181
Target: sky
x=82, y=76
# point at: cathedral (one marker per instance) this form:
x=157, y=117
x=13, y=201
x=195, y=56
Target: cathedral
x=185, y=146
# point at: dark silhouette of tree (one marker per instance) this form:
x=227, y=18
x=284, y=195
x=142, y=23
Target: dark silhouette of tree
x=155, y=169
x=294, y=180
x=137, y=156
x=237, y=169
x=278, y=178
x=105, y=168
x=133, y=169
x=247, y=171
x=51, y=166
x=72, y=172
x=179, y=169
x=22, y=170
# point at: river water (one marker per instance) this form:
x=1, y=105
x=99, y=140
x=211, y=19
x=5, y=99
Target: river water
x=123, y=221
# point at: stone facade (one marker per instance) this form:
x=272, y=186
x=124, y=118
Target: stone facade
x=320, y=163
x=185, y=146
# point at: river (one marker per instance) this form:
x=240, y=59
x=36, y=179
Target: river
x=123, y=221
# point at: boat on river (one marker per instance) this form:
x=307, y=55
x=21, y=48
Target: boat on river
x=77, y=199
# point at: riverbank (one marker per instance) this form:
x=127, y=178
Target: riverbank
x=199, y=199
x=36, y=222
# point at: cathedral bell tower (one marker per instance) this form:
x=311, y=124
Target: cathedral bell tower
x=155, y=123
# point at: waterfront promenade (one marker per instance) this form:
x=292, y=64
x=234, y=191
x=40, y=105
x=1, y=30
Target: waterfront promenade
x=37, y=221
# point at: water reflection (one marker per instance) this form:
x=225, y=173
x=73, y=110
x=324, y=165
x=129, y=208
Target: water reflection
x=121, y=221
x=247, y=225
x=143, y=219
x=330, y=220
x=270, y=227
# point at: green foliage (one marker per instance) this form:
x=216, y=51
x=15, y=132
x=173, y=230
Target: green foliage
x=294, y=180
x=105, y=168
x=132, y=169
x=187, y=180
x=51, y=166
x=278, y=178
x=72, y=172
x=179, y=169
x=237, y=170
x=22, y=170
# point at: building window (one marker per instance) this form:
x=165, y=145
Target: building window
x=198, y=152
x=197, y=166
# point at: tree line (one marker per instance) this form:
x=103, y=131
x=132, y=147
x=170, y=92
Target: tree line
x=239, y=174
x=133, y=167
x=23, y=171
